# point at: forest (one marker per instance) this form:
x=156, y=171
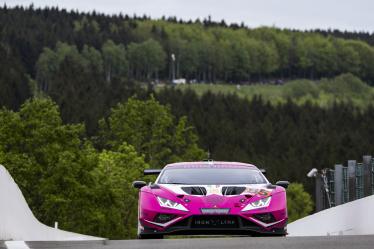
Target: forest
x=82, y=111
x=204, y=51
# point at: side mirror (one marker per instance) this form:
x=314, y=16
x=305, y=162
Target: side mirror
x=283, y=184
x=263, y=171
x=139, y=184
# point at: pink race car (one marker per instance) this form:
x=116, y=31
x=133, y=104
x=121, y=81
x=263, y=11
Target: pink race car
x=211, y=198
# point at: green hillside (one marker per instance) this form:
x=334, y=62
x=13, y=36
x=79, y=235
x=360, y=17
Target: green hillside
x=345, y=88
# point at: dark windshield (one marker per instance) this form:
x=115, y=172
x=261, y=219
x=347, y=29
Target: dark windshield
x=211, y=176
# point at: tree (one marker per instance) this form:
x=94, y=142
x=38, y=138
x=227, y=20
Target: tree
x=241, y=60
x=298, y=89
x=268, y=59
x=115, y=60
x=316, y=55
x=185, y=143
x=345, y=87
x=14, y=85
x=146, y=59
x=116, y=200
x=50, y=163
x=74, y=81
x=150, y=128
x=64, y=178
x=299, y=202
x=366, y=54
x=348, y=58
x=323, y=56
x=47, y=65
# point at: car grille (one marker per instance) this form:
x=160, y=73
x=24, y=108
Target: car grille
x=195, y=190
x=215, y=221
x=181, y=223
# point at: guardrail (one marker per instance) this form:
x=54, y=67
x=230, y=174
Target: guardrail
x=17, y=222
x=344, y=183
x=353, y=218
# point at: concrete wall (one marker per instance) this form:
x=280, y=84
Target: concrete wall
x=17, y=222
x=352, y=218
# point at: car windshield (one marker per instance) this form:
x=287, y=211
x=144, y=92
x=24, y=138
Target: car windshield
x=211, y=176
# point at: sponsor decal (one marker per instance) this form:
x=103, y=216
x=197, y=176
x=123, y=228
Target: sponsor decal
x=214, y=190
x=256, y=191
x=215, y=210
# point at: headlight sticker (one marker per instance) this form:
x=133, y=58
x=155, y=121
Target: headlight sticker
x=256, y=191
x=261, y=203
x=213, y=189
x=264, y=192
x=170, y=204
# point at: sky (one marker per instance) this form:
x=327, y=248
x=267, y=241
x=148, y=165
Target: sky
x=352, y=15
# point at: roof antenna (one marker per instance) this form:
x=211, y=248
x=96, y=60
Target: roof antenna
x=208, y=159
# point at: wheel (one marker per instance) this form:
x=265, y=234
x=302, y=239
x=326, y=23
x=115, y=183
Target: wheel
x=139, y=230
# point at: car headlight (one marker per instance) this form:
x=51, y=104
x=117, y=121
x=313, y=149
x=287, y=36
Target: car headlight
x=265, y=202
x=170, y=204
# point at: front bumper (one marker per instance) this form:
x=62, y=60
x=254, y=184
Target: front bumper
x=216, y=224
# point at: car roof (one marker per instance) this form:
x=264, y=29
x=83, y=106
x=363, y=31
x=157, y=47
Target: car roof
x=209, y=164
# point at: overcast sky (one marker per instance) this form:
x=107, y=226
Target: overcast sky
x=300, y=14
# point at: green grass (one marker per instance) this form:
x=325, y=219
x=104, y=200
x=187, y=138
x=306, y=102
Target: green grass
x=270, y=92
x=344, y=88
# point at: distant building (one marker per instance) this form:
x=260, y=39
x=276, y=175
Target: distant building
x=179, y=81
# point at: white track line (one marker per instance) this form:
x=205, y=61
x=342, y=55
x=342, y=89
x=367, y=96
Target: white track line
x=16, y=245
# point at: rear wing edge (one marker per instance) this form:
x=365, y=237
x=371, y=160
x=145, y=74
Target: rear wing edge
x=152, y=171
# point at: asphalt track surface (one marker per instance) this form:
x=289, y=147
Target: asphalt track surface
x=329, y=242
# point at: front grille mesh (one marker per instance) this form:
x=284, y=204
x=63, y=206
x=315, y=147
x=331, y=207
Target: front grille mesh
x=238, y=221
x=181, y=223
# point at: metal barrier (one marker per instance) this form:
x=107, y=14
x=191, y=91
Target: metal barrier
x=344, y=183
x=372, y=176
